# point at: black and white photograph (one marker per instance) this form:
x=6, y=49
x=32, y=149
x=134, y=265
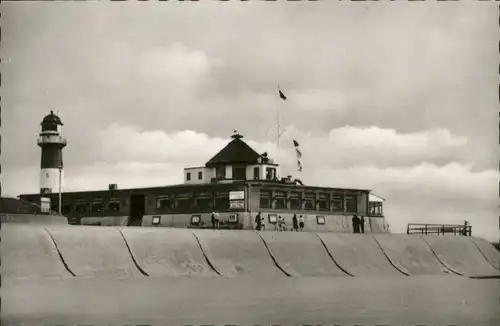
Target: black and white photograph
x=250, y=163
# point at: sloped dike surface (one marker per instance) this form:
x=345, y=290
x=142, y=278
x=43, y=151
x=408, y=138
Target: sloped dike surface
x=237, y=253
x=461, y=255
x=98, y=252
x=167, y=252
x=300, y=254
x=411, y=255
x=76, y=252
x=29, y=252
x=491, y=254
x=358, y=254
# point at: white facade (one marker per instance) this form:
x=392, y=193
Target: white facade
x=49, y=179
x=192, y=175
x=203, y=175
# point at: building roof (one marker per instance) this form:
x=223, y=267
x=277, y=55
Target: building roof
x=194, y=187
x=236, y=152
x=376, y=198
x=52, y=119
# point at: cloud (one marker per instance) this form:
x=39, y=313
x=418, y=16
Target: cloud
x=415, y=192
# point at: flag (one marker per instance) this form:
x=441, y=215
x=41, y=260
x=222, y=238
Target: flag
x=282, y=96
x=298, y=153
x=297, y=149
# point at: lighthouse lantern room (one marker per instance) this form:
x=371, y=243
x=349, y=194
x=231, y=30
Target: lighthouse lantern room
x=51, y=142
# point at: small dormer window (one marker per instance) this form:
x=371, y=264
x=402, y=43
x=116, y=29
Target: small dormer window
x=256, y=173
x=239, y=172
x=220, y=172
x=270, y=173
x=188, y=176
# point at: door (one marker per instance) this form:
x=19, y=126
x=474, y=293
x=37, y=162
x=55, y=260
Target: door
x=137, y=209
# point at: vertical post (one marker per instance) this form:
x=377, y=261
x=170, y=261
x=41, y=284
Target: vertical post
x=60, y=194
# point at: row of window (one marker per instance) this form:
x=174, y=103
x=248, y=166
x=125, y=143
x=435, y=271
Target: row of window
x=240, y=173
x=93, y=207
x=220, y=201
x=283, y=200
x=200, y=176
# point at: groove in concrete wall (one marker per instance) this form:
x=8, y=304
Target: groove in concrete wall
x=388, y=259
x=331, y=256
x=439, y=259
x=212, y=266
x=272, y=256
x=131, y=254
x=59, y=253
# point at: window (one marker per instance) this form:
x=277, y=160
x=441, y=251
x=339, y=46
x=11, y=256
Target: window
x=375, y=209
x=338, y=202
x=203, y=200
x=220, y=172
x=270, y=173
x=195, y=219
x=66, y=208
x=323, y=201
x=164, y=202
x=233, y=218
x=97, y=207
x=200, y=175
x=183, y=201
x=156, y=220
x=256, y=173
x=188, y=176
x=114, y=205
x=265, y=199
x=279, y=200
x=82, y=208
x=351, y=203
x=239, y=172
x=320, y=220
x=310, y=203
x=222, y=200
x=294, y=200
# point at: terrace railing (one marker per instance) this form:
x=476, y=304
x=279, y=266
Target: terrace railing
x=425, y=229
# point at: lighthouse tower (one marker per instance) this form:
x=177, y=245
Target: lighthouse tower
x=52, y=143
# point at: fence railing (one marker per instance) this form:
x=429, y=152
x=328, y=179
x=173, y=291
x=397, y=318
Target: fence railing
x=418, y=228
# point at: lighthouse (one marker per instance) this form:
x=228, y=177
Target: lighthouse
x=52, y=144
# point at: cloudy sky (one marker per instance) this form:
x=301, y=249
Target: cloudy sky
x=400, y=98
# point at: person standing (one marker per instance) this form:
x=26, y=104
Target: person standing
x=213, y=220
x=362, y=224
x=282, y=223
x=355, y=224
x=258, y=222
x=301, y=222
x=217, y=220
x=295, y=223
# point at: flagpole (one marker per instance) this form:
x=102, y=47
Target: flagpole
x=278, y=127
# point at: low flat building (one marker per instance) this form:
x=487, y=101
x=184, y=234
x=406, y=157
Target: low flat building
x=237, y=183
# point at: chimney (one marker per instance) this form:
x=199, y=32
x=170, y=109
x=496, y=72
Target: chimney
x=113, y=186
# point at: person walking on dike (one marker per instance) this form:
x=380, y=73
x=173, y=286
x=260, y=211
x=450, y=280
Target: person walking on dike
x=295, y=223
x=258, y=222
x=301, y=222
x=213, y=220
x=362, y=224
x=355, y=223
